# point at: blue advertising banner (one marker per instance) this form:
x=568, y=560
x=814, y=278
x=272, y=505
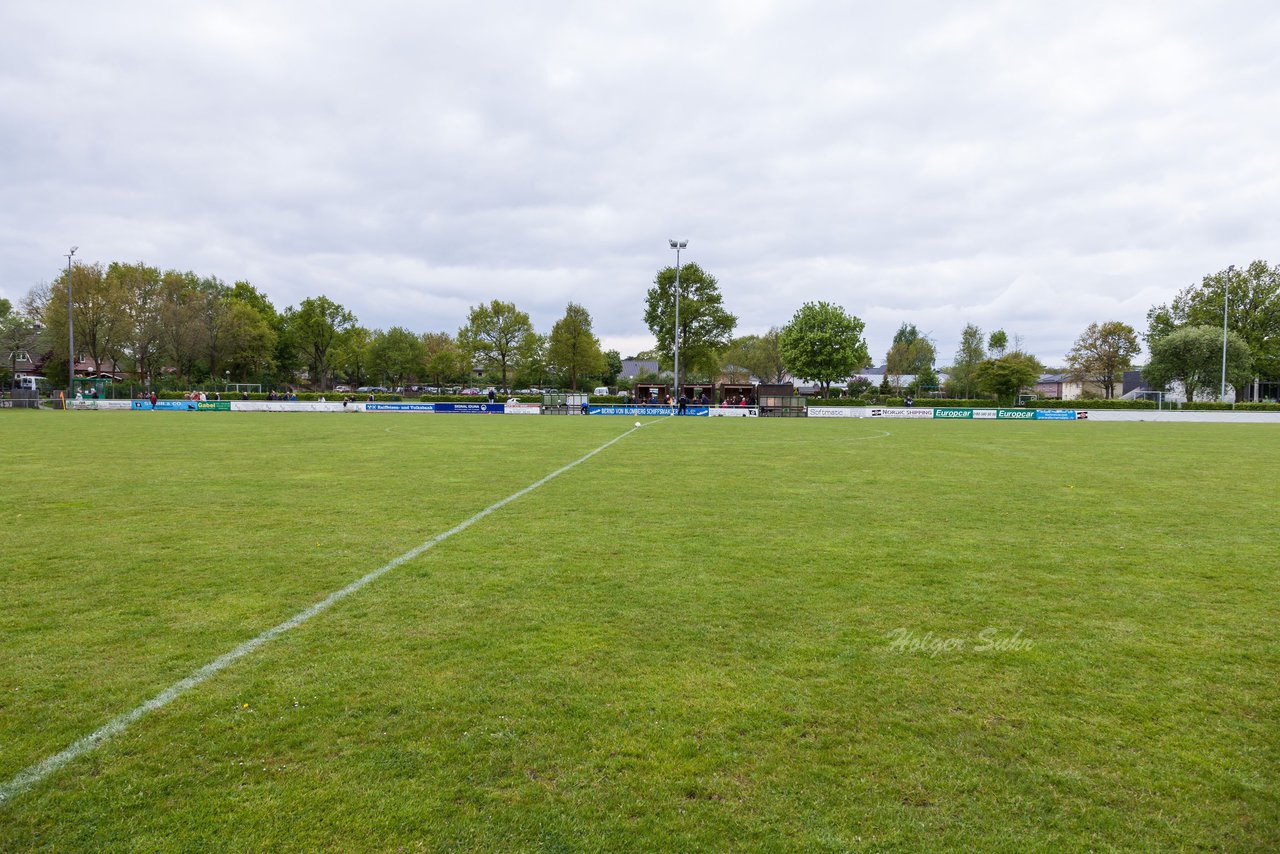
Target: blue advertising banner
x=401, y=407
x=495, y=408
x=174, y=405
x=1055, y=415
x=638, y=409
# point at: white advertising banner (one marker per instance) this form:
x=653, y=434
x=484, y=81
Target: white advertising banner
x=839, y=411
x=900, y=412
x=733, y=411
x=522, y=408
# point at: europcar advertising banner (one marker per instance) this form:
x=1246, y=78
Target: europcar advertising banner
x=1017, y=414
x=945, y=412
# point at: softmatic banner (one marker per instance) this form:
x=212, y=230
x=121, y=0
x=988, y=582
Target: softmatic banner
x=837, y=411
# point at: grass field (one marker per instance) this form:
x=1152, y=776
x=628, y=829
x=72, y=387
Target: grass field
x=717, y=633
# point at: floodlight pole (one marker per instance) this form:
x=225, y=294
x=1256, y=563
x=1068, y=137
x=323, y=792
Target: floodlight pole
x=71, y=333
x=1226, y=297
x=677, y=245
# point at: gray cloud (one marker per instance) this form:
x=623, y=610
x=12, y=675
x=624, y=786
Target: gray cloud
x=1008, y=164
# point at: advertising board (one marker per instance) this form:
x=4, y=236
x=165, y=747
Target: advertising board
x=900, y=412
x=837, y=411
x=400, y=407
x=492, y=408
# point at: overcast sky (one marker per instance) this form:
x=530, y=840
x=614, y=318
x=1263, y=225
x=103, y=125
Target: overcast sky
x=1031, y=166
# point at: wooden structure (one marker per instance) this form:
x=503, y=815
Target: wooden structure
x=648, y=392
x=695, y=391
x=727, y=394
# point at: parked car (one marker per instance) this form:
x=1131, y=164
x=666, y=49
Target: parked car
x=343, y=388
x=372, y=389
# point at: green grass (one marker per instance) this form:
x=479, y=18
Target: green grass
x=684, y=643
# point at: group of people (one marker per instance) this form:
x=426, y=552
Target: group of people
x=682, y=404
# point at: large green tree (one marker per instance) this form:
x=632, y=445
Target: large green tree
x=613, y=367
x=317, y=326
x=735, y=357
x=18, y=337
x=705, y=326
x=574, y=350
x=1192, y=356
x=1006, y=376
x=910, y=353
x=823, y=343
x=442, y=360
x=962, y=376
x=495, y=338
x=396, y=355
x=353, y=355
x=181, y=331
x=1102, y=353
x=1253, y=313
x=758, y=356
x=139, y=285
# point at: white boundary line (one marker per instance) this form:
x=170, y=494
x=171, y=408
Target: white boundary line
x=35, y=773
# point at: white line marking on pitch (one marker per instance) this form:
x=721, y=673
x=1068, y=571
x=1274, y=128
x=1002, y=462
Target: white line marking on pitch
x=34, y=774
x=879, y=435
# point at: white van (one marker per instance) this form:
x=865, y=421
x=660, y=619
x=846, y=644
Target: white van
x=30, y=383
x=600, y=391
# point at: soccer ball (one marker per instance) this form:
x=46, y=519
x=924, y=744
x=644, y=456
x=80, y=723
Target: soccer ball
x=637, y=423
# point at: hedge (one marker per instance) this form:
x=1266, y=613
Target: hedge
x=1242, y=407
x=1091, y=404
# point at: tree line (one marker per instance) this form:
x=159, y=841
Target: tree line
x=175, y=329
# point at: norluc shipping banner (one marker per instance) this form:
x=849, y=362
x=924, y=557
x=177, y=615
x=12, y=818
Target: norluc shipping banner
x=900, y=412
